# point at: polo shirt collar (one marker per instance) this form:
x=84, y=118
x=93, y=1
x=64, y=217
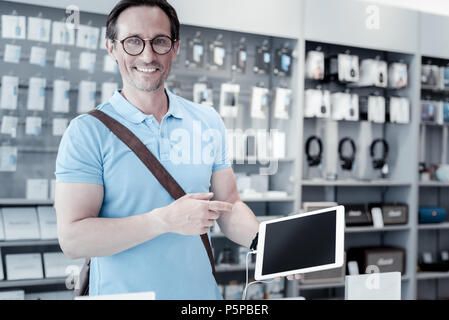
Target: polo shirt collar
x=134, y=115
x=175, y=108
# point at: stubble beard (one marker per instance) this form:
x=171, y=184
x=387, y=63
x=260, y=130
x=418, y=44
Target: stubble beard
x=146, y=85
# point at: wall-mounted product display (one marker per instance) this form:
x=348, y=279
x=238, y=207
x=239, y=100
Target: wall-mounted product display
x=343, y=67
x=196, y=52
x=373, y=72
x=315, y=65
x=282, y=103
x=314, y=159
x=217, y=54
x=380, y=162
x=430, y=76
x=432, y=215
x=397, y=75
x=202, y=93
x=229, y=100
x=430, y=111
x=263, y=59
x=20, y=223
x=259, y=103
x=392, y=213
x=24, y=266
x=283, y=62
x=56, y=264
x=317, y=103
x=430, y=263
x=371, y=114
x=47, y=222
x=434, y=113
x=376, y=109
x=240, y=57
x=357, y=215
x=345, y=106
x=399, y=110
x=347, y=158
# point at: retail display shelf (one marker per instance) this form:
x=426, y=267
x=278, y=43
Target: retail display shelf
x=434, y=89
x=434, y=124
x=20, y=243
x=288, y=298
x=327, y=285
x=373, y=229
x=351, y=230
x=266, y=199
x=433, y=184
x=36, y=149
x=350, y=85
x=25, y=202
x=431, y=275
x=31, y=283
x=433, y=226
x=354, y=183
x=324, y=285
x=260, y=161
x=233, y=267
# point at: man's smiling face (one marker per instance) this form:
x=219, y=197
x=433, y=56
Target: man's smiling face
x=149, y=70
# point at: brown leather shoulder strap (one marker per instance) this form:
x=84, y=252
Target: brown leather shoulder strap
x=151, y=162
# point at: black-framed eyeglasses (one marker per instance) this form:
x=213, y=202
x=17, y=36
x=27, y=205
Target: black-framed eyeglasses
x=135, y=45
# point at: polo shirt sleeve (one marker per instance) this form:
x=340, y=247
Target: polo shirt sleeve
x=221, y=154
x=79, y=157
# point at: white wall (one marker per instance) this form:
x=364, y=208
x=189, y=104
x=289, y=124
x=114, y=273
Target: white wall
x=95, y=6
x=269, y=17
x=349, y=22
x=440, y=7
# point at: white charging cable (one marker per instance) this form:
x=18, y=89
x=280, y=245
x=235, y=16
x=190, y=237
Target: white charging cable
x=248, y=284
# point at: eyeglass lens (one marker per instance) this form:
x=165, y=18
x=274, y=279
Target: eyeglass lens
x=135, y=45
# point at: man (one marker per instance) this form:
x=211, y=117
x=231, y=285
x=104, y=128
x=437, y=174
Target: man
x=111, y=208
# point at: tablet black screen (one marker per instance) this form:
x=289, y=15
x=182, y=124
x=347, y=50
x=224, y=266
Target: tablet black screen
x=299, y=243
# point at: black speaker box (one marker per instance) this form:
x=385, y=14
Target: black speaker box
x=357, y=215
x=325, y=276
x=386, y=259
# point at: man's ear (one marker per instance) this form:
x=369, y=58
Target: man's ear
x=176, y=49
x=176, y=46
x=110, y=46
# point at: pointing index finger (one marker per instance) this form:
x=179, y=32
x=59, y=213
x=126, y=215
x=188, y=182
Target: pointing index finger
x=220, y=206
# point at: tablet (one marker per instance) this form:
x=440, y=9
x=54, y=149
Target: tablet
x=301, y=243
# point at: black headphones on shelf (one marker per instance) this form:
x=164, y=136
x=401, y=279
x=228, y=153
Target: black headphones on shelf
x=347, y=162
x=314, y=160
x=378, y=163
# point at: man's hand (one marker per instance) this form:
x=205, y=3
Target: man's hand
x=294, y=276
x=193, y=214
x=291, y=277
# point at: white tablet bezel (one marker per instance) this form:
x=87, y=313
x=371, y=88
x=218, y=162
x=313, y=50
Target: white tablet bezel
x=339, y=244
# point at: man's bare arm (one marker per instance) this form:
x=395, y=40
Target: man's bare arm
x=240, y=225
x=83, y=234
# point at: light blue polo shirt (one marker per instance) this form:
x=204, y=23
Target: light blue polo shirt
x=190, y=144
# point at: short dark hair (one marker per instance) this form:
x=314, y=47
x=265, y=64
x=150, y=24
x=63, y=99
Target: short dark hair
x=111, y=25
